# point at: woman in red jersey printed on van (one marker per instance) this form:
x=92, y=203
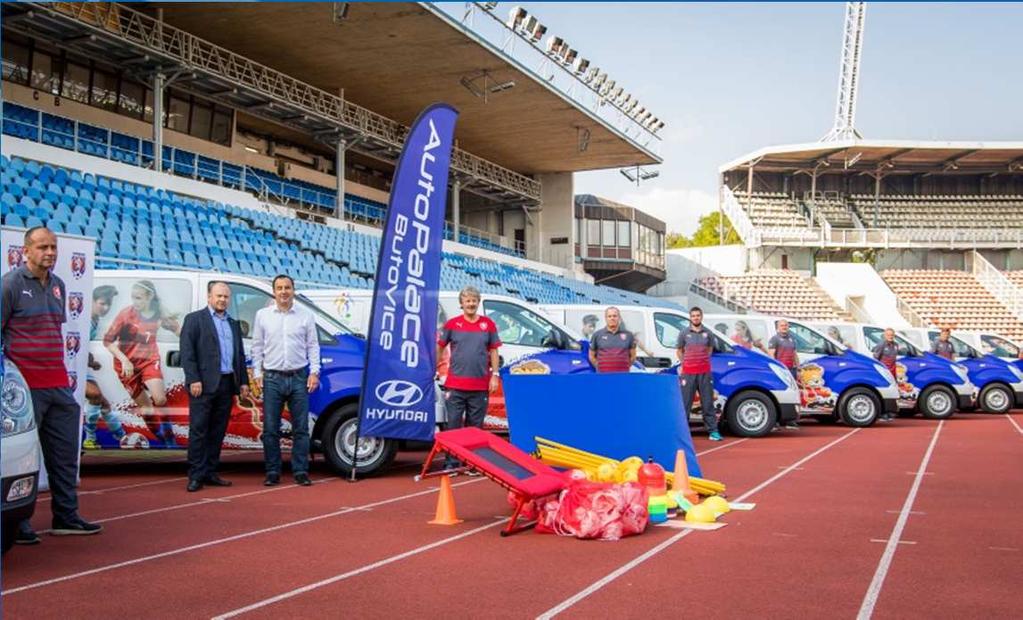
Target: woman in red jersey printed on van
x=131, y=339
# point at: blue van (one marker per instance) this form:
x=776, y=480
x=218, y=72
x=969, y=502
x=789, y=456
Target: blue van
x=128, y=418
x=751, y=392
x=928, y=384
x=835, y=382
x=999, y=382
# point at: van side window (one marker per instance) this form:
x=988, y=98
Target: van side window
x=668, y=327
x=807, y=340
x=999, y=347
x=521, y=326
x=245, y=302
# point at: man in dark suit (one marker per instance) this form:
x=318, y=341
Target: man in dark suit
x=213, y=359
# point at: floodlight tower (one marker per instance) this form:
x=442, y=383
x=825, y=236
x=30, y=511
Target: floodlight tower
x=849, y=74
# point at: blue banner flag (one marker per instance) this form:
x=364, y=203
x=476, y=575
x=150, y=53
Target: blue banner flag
x=401, y=354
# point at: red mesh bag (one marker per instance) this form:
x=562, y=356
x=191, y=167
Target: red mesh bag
x=595, y=510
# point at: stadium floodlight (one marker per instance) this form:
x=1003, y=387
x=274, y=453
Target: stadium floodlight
x=581, y=65
x=569, y=56
x=597, y=83
x=489, y=6
x=516, y=16
x=536, y=32
x=632, y=106
x=592, y=75
x=554, y=45
x=659, y=126
x=639, y=113
x=608, y=86
x=626, y=101
x=616, y=94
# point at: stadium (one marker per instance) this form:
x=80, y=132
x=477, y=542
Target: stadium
x=193, y=142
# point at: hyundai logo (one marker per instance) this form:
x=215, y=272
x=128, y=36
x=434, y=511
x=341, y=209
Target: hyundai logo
x=397, y=393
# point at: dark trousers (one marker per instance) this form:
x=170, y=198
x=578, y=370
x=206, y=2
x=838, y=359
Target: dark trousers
x=465, y=409
x=704, y=384
x=208, y=416
x=57, y=416
x=279, y=389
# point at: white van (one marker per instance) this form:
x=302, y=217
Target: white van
x=20, y=454
x=752, y=392
x=526, y=335
x=147, y=309
x=836, y=383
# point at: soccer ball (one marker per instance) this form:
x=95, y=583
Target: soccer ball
x=134, y=441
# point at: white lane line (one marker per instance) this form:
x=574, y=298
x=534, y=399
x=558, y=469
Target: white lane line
x=727, y=445
x=356, y=571
x=870, y=599
x=1019, y=429
x=603, y=581
x=396, y=558
x=121, y=488
x=202, y=502
x=220, y=541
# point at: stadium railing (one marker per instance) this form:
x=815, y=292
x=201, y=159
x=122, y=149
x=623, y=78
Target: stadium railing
x=996, y=282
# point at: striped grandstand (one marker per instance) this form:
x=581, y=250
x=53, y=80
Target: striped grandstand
x=931, y=233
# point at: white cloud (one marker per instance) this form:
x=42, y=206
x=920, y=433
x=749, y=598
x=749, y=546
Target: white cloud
x=680, y=209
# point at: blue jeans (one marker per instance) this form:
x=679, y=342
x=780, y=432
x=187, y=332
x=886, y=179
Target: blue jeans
x=279, y=389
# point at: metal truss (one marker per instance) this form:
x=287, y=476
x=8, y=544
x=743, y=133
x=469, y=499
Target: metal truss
x=133, y=37
x=844, y=127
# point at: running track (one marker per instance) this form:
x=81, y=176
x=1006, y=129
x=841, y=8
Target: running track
x=907, y=520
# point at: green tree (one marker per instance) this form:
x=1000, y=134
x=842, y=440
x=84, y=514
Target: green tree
x=706, y=233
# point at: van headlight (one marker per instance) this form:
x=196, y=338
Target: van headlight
x=961, y=372
x=16, y=402
x=885, y=373
x=785, y=376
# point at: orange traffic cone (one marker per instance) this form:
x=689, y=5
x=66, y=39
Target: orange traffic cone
x=445, y=505
x=681, y=480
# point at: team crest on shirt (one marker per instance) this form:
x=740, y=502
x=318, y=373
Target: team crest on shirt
x=78, y=265
x=75, y=305
x=483, y=326
x=56, y=292
x=15, y=256
x=72, y=378
x=621, y=336
x=72, y=344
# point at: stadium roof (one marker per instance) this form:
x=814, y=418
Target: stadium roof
x=891, y=156
x=397, y=57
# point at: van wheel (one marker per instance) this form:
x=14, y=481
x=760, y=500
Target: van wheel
x=937, y=402
x=996, y=398
x=859, y=407
x=750, y=414
x=339, y=440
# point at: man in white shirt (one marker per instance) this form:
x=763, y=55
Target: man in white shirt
x=286, y=367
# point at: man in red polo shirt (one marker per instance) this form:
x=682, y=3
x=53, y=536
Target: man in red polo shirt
x=612, y=348
x=473, y=366
x=33, y=312
x=694, y=348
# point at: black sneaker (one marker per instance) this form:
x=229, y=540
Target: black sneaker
x=272, y=480
x=77, y=526
x=792, y=426
x=303, y=480
x=26, y=535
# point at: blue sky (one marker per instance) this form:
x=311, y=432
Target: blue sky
x=731, y=78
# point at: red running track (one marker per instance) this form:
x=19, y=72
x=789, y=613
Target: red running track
x=365, y=550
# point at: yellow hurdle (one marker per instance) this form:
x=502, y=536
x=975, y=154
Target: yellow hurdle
x=561, y=455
